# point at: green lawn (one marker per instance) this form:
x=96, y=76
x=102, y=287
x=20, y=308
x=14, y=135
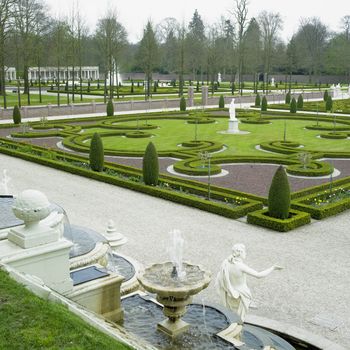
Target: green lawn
x=12, y=99
x=28, y=322
x=172, y=132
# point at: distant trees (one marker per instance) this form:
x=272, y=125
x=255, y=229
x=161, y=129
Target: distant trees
x=311, y=39
x=112, y=39
x=6, y=8
x=147, y=55
x=270, y=23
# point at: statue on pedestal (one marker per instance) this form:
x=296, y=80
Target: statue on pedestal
x=231, y=282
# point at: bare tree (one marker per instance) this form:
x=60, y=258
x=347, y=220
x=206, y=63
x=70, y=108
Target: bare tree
x=112, y=37
x=6, y=13
x=28, y=14
x=241, y=15
x=270, y=23
x=345, y=21
x=147, y=55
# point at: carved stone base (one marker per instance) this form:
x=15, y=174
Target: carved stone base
x=232, y=334
x=172, y=329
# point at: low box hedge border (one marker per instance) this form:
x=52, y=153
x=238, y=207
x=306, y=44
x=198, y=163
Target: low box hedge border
x=261, y=218
x=185, y=197
x=334, y=136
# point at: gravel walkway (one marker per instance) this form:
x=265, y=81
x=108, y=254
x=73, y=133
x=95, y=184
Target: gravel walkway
x=311, y=292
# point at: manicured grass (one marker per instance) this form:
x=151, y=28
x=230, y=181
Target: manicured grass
x=28, y=322
x=172, y=132
x=12, y=99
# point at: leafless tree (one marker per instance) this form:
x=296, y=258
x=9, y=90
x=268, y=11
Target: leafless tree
x=270, y=23
x=6, y=17
x=240, y=13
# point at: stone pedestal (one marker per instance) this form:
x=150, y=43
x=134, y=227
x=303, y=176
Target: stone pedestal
x=101, y=296
x=190, y=96
x=205, y=95
x=233, y=127
x=49, y=262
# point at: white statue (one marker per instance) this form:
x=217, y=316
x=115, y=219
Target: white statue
x=219, y=77
x=231, y=281
x=273, y=82
x=232, y=110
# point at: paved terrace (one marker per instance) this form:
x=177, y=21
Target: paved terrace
x=310, y=293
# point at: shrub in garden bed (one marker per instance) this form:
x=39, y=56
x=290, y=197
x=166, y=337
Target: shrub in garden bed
x=334, y=135
x=201, y=121
x=137, y=134
x=262, y=218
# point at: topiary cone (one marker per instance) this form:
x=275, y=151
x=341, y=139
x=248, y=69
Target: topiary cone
x=96, y=155
x=293, y=106
x=257, y=100
x=110, y=108
x=279, y=195
x=150, y=165
x=16, y=115
x=182, y=104
x=264, y=104
x=221, y=101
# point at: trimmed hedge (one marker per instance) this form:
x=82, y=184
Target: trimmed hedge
x=221, y=101
x=201, y=121
x=334, y=135
x=182, y=104
x=96, y=154
x=110, y=108
x=279, y=195
x=61, y=163
x=16, y=115
x=137, y=134
x=150, y=165
x=262, y=218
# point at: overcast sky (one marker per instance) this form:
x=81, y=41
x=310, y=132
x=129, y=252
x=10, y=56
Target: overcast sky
x=133, y=14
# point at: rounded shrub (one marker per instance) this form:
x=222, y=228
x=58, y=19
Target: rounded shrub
x=257, y=100
x=264, y=104
x=16, y=115
x=293, y=106
x=96, y=155
x=150, y=165
x=221, y=101
x=182, y=104
x=279, y=195
x=288, y=98
x=300, y=102
x=325, y=95
x=329, y=103
x=110, y=108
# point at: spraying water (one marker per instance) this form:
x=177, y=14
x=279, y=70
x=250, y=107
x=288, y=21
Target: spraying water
x=175, y=251
x=4, y=189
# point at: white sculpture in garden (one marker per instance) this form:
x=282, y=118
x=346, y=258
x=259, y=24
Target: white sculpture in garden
x=231, y=281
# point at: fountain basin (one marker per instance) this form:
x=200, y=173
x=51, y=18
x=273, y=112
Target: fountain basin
x=174, y=293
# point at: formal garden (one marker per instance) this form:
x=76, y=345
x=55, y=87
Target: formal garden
x=193, y=151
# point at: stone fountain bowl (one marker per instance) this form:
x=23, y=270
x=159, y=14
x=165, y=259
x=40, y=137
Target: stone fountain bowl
x=157, y=279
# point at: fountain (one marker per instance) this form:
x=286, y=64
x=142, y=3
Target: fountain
x=4, y=190
x=174, y=283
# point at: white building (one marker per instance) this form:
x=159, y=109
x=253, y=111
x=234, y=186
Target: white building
x=10, y=73
x=66, y=73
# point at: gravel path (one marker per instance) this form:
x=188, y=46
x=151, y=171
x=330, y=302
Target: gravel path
x=311, y=292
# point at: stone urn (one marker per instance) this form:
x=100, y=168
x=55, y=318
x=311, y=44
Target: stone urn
x=174, y=292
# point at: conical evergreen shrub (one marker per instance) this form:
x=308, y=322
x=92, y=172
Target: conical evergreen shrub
x=293, y=106
x=300, y=102
x=257, y=100
x=110, y=108
x=329, y=104
x=150, y=165
x=221, y=101
x=264, y=104
x=288, y=97
x=16, y=115
x=325, y=95
x=182, y=104
x=279, y=195
x=96, y=153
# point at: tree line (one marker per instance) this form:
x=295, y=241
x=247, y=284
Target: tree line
x=236, y=45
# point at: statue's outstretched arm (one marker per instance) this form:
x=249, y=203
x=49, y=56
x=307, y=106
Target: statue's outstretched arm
x=249, y=271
